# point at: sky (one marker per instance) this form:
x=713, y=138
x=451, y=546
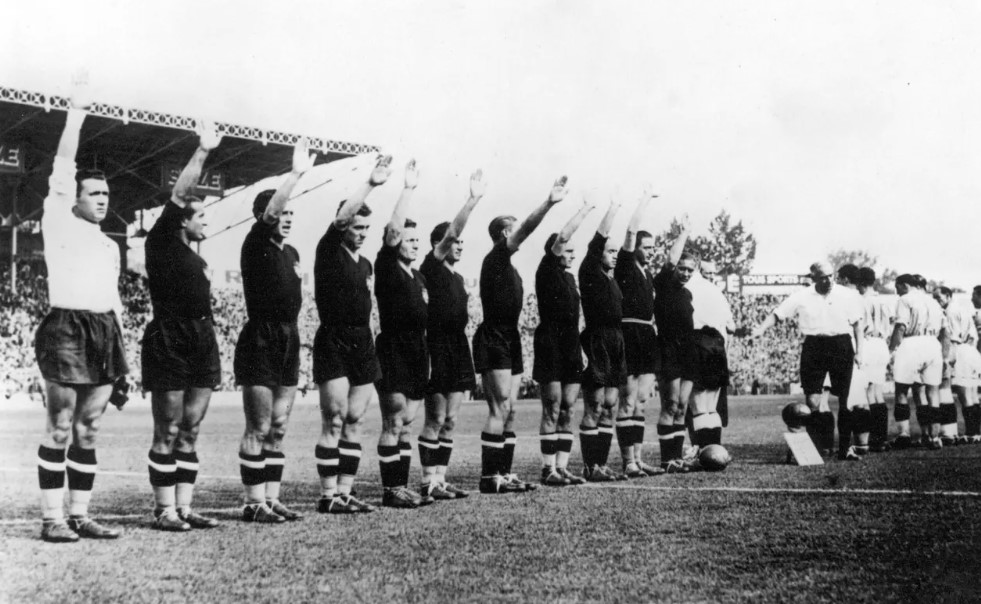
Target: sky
x=821, y=125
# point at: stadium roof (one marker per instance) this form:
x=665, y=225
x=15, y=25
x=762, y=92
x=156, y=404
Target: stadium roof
x=135, y=148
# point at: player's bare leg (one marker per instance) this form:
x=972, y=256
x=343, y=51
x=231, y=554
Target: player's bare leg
x=551, y=394
x=196, y=402
x=436, y=445
x=626, y=428
x=645, y=390
x=510, y=439
x=498, y=389
x=705, y=419
x=338, y=452
x=75, y=411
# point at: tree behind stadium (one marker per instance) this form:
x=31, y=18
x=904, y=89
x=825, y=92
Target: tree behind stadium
x=729, y=245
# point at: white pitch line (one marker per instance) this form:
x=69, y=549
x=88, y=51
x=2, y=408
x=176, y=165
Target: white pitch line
x=790, y=491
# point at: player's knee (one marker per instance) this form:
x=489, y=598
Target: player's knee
x=59, y=434
x=85, y=433
x=277, y=432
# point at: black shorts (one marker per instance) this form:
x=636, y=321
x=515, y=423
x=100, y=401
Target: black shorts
x=496, y=348
x=345, y=351
x=404, y=360
x=451, y=362
x=711, y=368
x=80, y=347
x=180, y=353
x=639, y=342
x=827, y=355
x=606, y=366
x=675, y=358
x=268, y=354
x=558, y=354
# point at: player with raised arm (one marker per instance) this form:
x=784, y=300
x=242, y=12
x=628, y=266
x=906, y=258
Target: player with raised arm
x=636, y=283
x=181, y=361
x=267, y=355
x=345, y=367
x=79, y=344
x=558, y=354
x=451, y=363
x=602, y=342
x=831, y=321
x=497, y=344
x=675, y=356
x=401, y=347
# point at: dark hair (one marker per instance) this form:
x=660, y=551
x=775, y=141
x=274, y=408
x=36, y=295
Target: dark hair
x=87, y=174
x=550, y=242
x=943, y=289
x=976, y=290
x=364, y=210
x=438, y=233
x=848, y=271
x=919, y=280
x=409, y=224
x=641, y=235
x=497, y=226
x=262, y=202
x=866, y=277
x=906, y=279
x=181, y=214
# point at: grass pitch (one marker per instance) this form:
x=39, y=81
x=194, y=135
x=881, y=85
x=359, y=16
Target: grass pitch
x=899, y=526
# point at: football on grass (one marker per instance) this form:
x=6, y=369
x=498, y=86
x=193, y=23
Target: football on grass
x=795, y=415
x=714, y=458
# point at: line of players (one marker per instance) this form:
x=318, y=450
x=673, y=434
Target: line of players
x=422, y=350
x=853, y=337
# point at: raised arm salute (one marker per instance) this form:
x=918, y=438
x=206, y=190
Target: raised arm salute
x=79, y=343
x=344, y=363
x=181, y=362
x=632, y=274
x=267, y=354
x=497, y=345
x=451, y=362
x=602, y=342
x=401, y=346
x=558, y=355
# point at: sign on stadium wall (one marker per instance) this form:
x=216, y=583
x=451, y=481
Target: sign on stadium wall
x=11, y=158
x=212, y=182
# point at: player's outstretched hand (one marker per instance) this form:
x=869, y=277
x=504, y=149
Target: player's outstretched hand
x=302, y=158
x=80, y=96
x=685, y=222
x=383, y=169
x=559, y=190
x=208, y=135
x=478, y=186
x=411, y=175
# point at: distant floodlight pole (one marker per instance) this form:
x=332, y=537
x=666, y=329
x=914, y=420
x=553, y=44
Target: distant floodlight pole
x=13, y=244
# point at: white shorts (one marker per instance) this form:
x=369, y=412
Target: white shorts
x=875, y=359
x=919, y=360
x=967, y=366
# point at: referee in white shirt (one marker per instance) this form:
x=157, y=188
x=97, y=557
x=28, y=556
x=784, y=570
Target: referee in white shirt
x=79, y=345
x=831, y=322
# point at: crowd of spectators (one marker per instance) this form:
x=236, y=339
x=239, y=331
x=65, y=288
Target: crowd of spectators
x=765, y=365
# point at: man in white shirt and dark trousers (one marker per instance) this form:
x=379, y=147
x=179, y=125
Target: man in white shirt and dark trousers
x=79, y=345
x=831, y=320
